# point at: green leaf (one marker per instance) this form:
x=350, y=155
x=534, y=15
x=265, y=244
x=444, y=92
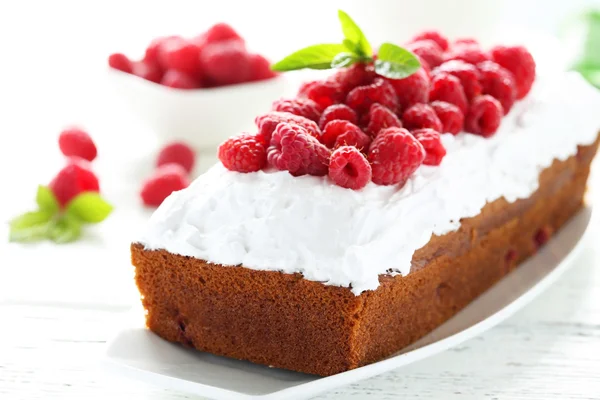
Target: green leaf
x=354, y=35
x=89, y=207
x=344, y=60
x=394, y=62
x=65, y=230
x=46, y=200
x=30, y=219
x=30, y=227
x=318, y=56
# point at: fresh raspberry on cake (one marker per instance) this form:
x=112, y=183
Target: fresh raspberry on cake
x=120, y=62
x=344, y=133
x=299, y=106
x=181, y=55
x=428, y=50
x=499, y=83
x=349, y=168
x=221, y=32
x=437, y=37
x=421, y=116
x=394, y=155
x=260, y=68
x=75, y=141
x=358, y=74
x=484, y=116
x=179, y=80
x=432, y=143
x=177, y=153
x=412, y=89
x=381, y=117
x=75, y=178
x=470, y=53
x=380, y=91
x=148, y=71
x=467, y=73
x=324, y=93
x=267, y=123
x=450, y=116
x=165, y=180
x=243, y=153
x=337, y=111
x=226, y=63
x=153, y=51
x=446, y=87
x=519, y=61
x=293, y=149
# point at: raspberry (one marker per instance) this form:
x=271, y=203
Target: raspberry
x=178, y=80
x=467, y=73
x=225, y=63
x=471, y=53
x=337, y=111
x=421, y=116
x=381, y=117
x=412, y=89
x=349, y=168
x=355, y=75
x=221, y=32
x=465, y=41
x=267, y=123
x=177, y=153
x=324, y=93
x=520, y=63
x=148, y=71
x=293, y=149
x=75, y=178
x=76, y=142
x=303, y=107
x=380, y=91
x=167, y=179
x=446, y=87
x=499, y=83
x=180, y=54
x=260, y=68
x=484, y=116
x=153, y=50
x=394, y=155
x=428, y=50
x=352, y=135
x=451, y=117
x=243, y=153
x=432, y=143
x=437, y=37
x=120, y=62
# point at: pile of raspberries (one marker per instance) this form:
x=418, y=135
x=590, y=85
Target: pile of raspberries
x=356, y=126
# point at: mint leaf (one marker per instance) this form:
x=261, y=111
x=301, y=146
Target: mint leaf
x=30, y=227
x=65, y=230
x=30, y=219
x=344, y=59
x=354, y=35
x=89, y=207
x=318, y=56
x=46, y=200
x=394, y=62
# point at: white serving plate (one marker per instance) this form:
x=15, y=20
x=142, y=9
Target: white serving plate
x=139, y=354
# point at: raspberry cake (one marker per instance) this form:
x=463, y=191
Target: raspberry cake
x=367, y=211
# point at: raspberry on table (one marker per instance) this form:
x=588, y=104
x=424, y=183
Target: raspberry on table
x=470, y=53
x=75, y=141
x=467, y=73
x=300, y=106
x=339, y=132
x=484, y=117
x=519, y=61
x=120, y=62
x=499, y=83
x=177, y=153
x=179, y=80
x=165, y=180
x=421, y=116
x=446, y=87
x=225, y=63
x=428, y=50
x=450, y=116
x=180, y=54
x=381, y=117
x=267, y=123
x=145, y=70
x=337, y=111
x=260, y=68
x=349, y=168
x=432, y=143
x=437, y=37
x=358, y=74
x=324, y=93
x=75, y=178
x=380, y=91
x=243, y=153
x=394, y=155
x=412, y=89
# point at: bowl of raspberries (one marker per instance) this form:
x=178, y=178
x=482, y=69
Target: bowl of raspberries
x=187, y=88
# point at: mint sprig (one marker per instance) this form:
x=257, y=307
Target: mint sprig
x=52, y=223
x=393, y=61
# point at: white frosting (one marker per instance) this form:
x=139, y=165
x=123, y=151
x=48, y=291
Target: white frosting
x=270, y=220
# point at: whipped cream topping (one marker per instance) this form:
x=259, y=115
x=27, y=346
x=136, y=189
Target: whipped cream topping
x=270, y=220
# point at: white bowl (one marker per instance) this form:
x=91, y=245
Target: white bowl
x=203, y=118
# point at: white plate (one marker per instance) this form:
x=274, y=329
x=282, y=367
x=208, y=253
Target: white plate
x=138, y=353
